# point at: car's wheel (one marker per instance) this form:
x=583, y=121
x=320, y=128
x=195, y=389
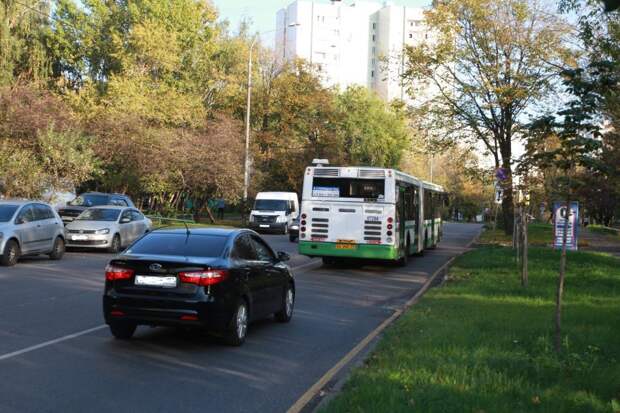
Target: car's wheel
x=292, y=238
x=116, y=244
x=58, y=250
x=11, y=254
x=123, y=330
x=238, y=325
x=288, y=303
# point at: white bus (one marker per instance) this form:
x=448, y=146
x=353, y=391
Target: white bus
x=364, y=212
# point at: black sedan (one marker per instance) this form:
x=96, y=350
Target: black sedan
x=213, y=279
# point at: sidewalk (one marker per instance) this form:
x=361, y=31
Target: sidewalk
x=600, y=242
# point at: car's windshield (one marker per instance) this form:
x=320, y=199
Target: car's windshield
x=270, y=205
x=89, y=200
x=99, y=214
x=180, y=245
x=7, y=212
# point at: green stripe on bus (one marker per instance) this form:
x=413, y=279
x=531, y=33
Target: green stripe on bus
x=321, y=249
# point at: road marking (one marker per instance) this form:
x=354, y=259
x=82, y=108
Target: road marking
x=322, y=382
x=79, y=333
x=50, y=342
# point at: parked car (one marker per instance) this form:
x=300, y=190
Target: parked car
x=274, y=211
x=107, y=227
x=29, y=228
x=207, y=278
x=91, y=199
x=293, y=231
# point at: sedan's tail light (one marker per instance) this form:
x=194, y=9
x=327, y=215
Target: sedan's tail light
x=113, y=273
x=203, y=278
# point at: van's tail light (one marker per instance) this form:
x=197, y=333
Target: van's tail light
x=113, y=273
x=203, y=278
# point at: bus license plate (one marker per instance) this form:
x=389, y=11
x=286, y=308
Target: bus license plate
x=345, y=244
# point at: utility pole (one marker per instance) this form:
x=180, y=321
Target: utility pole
x=248, y=108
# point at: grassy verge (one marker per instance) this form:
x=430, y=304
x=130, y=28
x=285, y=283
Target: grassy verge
x=482, y=343
x=537, y=234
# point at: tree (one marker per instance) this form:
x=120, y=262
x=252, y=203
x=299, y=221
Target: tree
x=576, y=129
x=296, y=120
x=374, y=133
x=489, y=62
x=23, y=56
x=43, y=147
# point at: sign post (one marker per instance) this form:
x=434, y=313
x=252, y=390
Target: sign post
x=560, y=215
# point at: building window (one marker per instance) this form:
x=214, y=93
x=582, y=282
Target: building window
x=372, y=73
x=374, y=26
x=372, y=61
x=411, y=35
x=373, y=37
x=373, y=50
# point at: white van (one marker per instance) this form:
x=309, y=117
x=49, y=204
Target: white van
x=274, y=211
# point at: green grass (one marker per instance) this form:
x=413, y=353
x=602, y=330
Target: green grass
x=481, y=343
x=538, y=234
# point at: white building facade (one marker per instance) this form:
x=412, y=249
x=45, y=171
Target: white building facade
x=354, y=43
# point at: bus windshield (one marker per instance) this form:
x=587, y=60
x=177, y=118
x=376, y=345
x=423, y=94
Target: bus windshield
x=368, y=189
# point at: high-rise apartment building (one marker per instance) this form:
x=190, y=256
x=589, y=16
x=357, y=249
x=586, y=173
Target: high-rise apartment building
x=356, y=43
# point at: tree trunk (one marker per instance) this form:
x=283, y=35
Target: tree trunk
x=524, y=269
x=560, y=290
x=507, y=200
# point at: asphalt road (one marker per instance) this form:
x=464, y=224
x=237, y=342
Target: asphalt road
x=56, y=355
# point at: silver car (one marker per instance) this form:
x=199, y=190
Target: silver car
x=107, y=227
x=29, y=228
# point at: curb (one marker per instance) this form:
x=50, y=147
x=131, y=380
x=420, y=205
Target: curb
x=307, y=402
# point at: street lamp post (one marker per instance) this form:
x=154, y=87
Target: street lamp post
x=248, y=107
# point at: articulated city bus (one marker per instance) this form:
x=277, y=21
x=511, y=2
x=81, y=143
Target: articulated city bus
x=363, y=212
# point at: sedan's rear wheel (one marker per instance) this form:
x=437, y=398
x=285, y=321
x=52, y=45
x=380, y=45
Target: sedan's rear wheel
x=288, y=303
x=122, y=330
x=239, y=325
x=59, y=249
x=11, y=254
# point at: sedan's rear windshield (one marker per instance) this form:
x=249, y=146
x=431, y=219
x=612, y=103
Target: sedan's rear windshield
x=7, y=211
x=89, y=200
x=180, y=245
x=99, y=214
x=348, y=188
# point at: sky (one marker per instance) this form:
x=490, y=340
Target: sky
x=262, y=13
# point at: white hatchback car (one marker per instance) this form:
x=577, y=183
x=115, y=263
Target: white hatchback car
x=29, y=228
x=107, y=227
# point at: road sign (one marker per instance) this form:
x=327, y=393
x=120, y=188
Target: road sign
x=560, y=214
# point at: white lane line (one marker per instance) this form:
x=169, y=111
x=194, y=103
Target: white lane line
x=75, y=335
x=50, y=342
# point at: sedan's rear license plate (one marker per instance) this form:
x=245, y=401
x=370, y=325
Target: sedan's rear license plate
x=156, y=281
x=345, y=246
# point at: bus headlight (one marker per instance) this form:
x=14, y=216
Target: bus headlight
x=388, y=240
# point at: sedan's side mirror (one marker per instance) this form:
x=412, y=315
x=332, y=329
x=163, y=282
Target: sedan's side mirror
x=19, y=221
x=125, y=220
x=283, y=256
